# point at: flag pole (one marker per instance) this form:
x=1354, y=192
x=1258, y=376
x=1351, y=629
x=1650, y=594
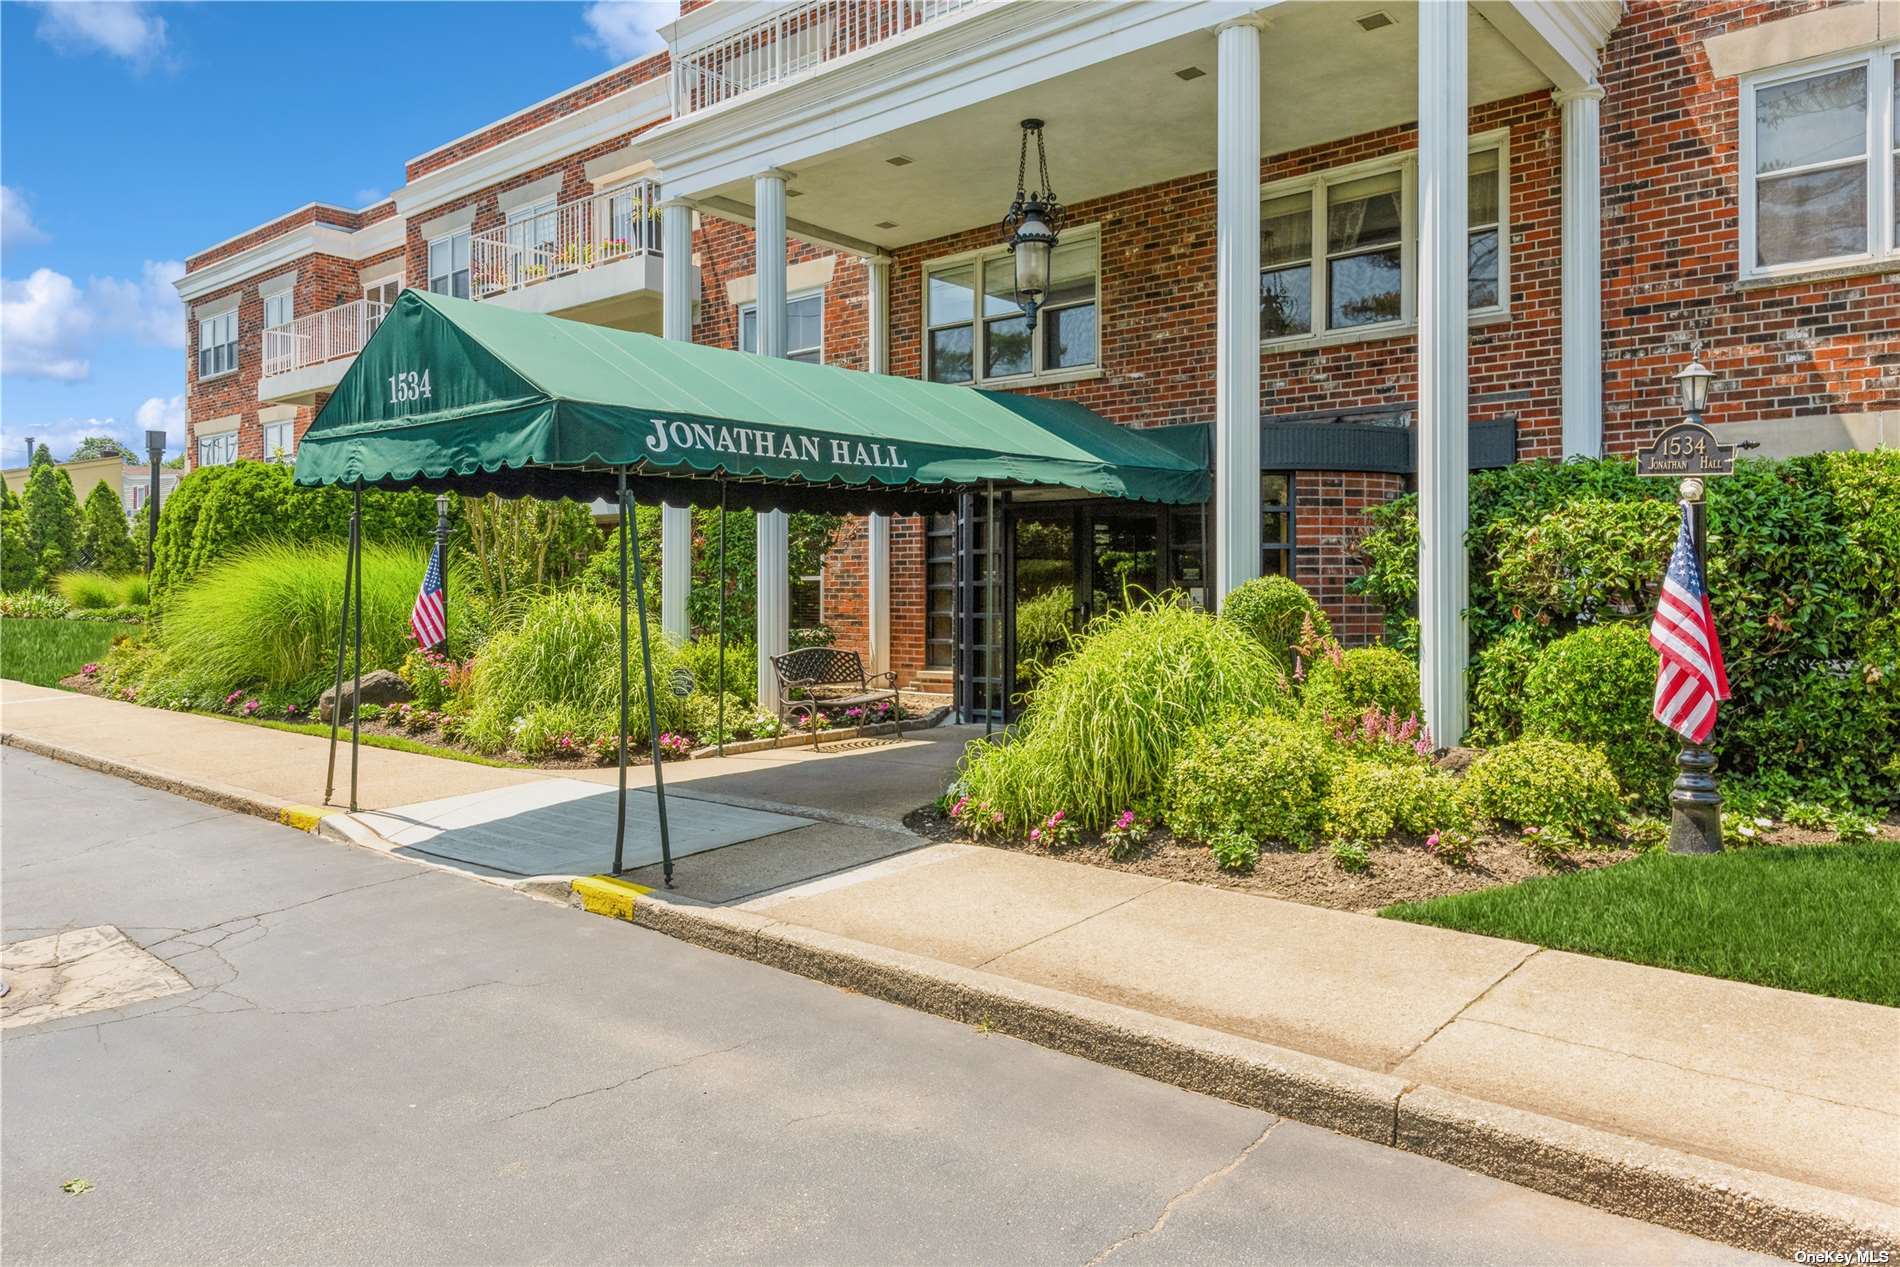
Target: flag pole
x=1695, y=802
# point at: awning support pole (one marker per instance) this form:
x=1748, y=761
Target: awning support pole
x=620, y=807
x=646, y=664
x=991, y=617
x=342, y=642
x=722, y=615
x=356, y=660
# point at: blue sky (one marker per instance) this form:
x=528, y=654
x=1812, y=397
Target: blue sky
x=135, y=134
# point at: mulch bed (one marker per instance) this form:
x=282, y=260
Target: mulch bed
x=1399, y=872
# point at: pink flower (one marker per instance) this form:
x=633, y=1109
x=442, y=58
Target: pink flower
x=89, y=669
x=1056, y=817
x=1035, y=835
x=250, y=707
x=1431, y=842
x=233, y=698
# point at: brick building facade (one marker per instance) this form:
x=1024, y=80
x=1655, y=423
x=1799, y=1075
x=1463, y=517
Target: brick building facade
x=1808, y=354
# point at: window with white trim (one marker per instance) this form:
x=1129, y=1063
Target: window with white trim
x=383, y=292
x=804, y=328
x=1820, y=164
x=280, y=441
x=448, y=265
x=1337, y=249
x=217, y=450
x=217, y=344
x=278, y=308
x=965, y=344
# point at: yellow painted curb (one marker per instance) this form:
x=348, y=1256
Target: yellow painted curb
x=605, y=895
x=302, y=817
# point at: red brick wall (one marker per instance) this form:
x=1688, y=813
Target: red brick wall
x=1672, y=253
x=1329, y=519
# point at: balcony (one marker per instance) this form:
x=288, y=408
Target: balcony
x=595, y=259
x=796, y=40
x=308, y=355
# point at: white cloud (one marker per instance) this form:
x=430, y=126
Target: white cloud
x=16, y=220
x=161, y=411
x=121, y=28
x=44, y=328
x=626, y=29
x=49, y=327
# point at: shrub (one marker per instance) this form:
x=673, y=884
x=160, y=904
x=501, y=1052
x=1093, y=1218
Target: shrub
x=1595, y=558
x=34, y=605
x=52, y=516
x=266, y=618
x=1346, y=684
x=433, y=678
x=566, y=651
x=1543, y=783
x=1264, y=777
x=95, y=591
x=1497, y=684
x=1102, y=731
x=1351, y=857
x=1366, y=801
x=104, y=541
x=700, y=657
x=217, y=511
x=1595, y=686
x=1274, y=611
x=1043, y=626
x=1383, y=737
x=555, y=730
x=1234, y=851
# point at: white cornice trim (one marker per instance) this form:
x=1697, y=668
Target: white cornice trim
x=970, y=57
x=448, y=222
x=623, y=112
x=528, y=195
x=492, y=124
x=309, y=239
x=384, y=235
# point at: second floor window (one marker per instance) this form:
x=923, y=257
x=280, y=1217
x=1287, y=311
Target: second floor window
x=448, y=265
x=217, y=344
x=1820, y=162
x=277, y=309
x=1336, y=250
x=217, y=450
x=965, y=344
x=383, y=293
x=804, y=328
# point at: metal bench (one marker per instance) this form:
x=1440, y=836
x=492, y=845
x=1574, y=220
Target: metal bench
x=820, y=677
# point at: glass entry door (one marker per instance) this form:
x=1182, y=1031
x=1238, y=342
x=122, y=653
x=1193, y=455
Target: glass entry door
x=1045, y=597
x=1124, y=557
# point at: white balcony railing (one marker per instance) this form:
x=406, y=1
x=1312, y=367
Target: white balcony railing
x=799, y=38
x=569, y=238
x=323, y=336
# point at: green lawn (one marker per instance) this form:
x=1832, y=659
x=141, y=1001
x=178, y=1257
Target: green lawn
x=44, y=651
x=398, y=743
x=1823, y=919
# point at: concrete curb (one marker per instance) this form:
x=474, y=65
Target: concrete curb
x=1707, y=1198
x=306, y=818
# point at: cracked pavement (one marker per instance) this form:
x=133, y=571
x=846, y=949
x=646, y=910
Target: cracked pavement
x=376, y=1061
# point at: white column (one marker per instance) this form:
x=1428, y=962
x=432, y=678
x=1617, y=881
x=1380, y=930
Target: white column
x=877, y=534
x=1582, y=273
x=1444, y=270
x=774, y=605
x=676, y=322
x=1237, y=312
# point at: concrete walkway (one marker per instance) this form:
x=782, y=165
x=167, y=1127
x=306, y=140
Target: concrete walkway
x=1800, y=1094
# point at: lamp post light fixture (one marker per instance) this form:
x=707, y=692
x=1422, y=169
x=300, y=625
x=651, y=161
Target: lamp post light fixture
x=1034, y=225
x=1694, y=384
x=155, y=454
x=442, y=546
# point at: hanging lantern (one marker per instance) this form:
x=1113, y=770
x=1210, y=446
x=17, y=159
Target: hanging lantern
x=1034, y=224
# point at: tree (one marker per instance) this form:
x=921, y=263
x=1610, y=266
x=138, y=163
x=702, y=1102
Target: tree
x=98, y=447
x=42, y=456
x=104, y=541
x=52, y=516
x=17, y=569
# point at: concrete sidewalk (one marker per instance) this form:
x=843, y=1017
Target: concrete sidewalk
x=1757, y=1116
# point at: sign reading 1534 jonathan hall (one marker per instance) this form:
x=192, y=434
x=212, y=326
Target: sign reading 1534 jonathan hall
x=1688, y=448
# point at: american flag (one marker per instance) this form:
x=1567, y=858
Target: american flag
x=429, y=620
x=1692, y=678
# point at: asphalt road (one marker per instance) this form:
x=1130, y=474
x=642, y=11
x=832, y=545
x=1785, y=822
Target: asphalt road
x=383, y=1062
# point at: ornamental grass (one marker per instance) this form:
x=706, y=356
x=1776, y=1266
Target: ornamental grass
x=1103, y=728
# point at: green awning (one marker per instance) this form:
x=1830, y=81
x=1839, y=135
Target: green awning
x=475, y=397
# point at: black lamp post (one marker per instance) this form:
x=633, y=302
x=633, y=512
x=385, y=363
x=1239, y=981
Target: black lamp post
x=155, y=450
x=442, y=547
x=1034, y=224
x=1695, y=803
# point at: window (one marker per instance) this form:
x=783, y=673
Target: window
x=808, y=601
x=217, y=450
x=940, y=589
x=384, y=292
x=1336, y=250
x=965, y=345
x=280, y=441
x=278, y=309
x=804, y=328
x=217, y=344
x=1276, y=524
x=1821, y=165
x=448, y=265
